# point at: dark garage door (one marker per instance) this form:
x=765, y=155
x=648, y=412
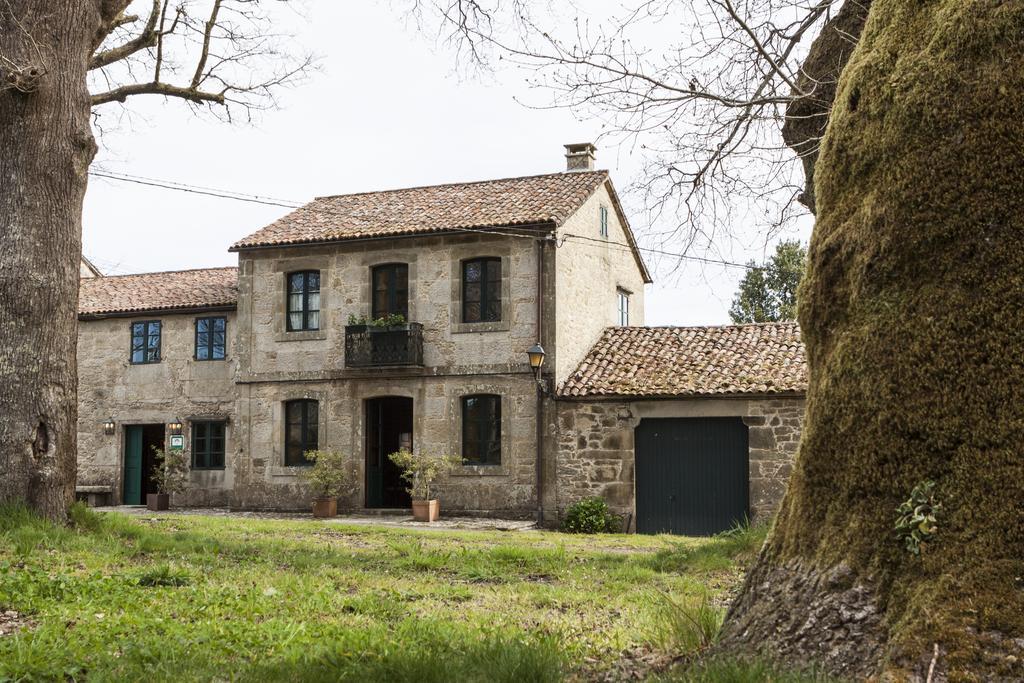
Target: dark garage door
x=691, y=475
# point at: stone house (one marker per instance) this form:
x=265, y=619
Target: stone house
x=140, y=369
x=368, y=322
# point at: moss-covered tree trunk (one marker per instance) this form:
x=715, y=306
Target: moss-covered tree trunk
x=807, y=114
x=912, y=311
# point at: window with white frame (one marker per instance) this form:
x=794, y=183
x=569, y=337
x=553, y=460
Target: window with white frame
x=623, y=307
x=604, y=222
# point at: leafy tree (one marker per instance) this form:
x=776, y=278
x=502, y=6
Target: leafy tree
x=59, y=61
x=768, y=293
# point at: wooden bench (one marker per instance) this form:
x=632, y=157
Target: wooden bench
x=93, y=496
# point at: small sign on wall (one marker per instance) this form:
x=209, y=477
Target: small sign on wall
x=177, y=442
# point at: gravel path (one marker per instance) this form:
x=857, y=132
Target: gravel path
x=383, y=519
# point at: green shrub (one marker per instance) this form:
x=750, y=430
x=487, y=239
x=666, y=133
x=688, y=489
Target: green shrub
x=420, y=469
x=389, y=320
x=331, y=474
x=591, y=516
x=170, y=474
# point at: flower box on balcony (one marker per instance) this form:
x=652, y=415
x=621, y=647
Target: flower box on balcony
x=368, y=346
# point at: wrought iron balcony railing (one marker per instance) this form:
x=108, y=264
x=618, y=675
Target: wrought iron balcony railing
x=367, y=346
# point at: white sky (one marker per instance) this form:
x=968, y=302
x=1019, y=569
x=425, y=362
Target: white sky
x=386, y=111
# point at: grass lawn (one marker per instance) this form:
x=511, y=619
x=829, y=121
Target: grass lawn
x=192, y=597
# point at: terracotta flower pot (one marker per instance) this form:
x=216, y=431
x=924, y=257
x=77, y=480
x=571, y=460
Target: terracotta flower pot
x=426, y=510
x=325, y=507
x=158, y=501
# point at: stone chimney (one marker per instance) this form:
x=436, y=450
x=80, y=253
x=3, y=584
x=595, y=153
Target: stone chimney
x=580, y=157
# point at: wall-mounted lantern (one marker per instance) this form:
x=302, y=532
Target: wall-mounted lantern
x=109, y=427
x=536, y=354
x=174, y=427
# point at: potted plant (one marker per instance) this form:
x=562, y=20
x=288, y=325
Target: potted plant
x=327, y=478
x=169, y=476
x=386, y=340
x=420, y=470
x=391, y=321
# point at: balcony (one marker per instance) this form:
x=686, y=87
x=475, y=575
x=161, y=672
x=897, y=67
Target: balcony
x=369, y=346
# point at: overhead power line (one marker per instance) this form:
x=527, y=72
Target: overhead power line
x=688, y=257
x=193, y=189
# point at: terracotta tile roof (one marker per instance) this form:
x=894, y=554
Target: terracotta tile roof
x=158, y=291
x=692, y=361
x=439, y=208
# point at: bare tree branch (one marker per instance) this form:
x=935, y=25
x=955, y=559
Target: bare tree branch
x=231, y=50
x=147, y=38
x=704, y=104
x=123, y=92
x=211, y=23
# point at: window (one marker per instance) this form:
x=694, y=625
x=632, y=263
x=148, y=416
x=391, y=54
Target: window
x=623, y=298
x=301, y=422
x=207, y=445
x=304, y=301
x=604, y=221
x=211, y=338
x=390, y=290
x=146, y=342
x=481, y=430
x=481, y=290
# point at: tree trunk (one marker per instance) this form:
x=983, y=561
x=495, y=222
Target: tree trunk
x=45, y=150
x=807, y=115
x=912, y=311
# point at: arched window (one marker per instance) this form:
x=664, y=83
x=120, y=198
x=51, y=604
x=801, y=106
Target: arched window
x=481, y=429
x=390, y=284
x=481, y=290
x=301, y=430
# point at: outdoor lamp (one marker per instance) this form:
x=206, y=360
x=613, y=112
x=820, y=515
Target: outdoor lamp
x=536, y=354
x=175, y=427
x=108, y=426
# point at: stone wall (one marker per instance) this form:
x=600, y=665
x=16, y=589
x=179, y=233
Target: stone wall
x=594, y=449
x=459, y=359
x=263, y=481
x=269, y=352
x=588, y=275
x=178, y=387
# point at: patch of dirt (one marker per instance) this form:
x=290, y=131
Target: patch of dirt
x=12, y=622
x=633, y=664
x=337, y=538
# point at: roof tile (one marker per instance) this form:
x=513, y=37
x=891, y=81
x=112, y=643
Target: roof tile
x=158, y=291
x=439, y=208
x=692, y=361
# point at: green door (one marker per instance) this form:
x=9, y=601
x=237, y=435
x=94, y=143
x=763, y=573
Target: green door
x=692, y=475
x=133, y=465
